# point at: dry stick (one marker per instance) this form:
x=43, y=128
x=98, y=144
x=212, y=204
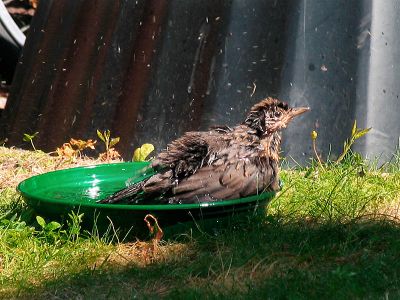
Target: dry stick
x=154, y=229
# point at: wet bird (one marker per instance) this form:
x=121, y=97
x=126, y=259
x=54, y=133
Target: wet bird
x=222, y=163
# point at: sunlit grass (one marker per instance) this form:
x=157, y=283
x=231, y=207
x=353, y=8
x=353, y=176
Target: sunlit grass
x=338, y=192
x=332, y=232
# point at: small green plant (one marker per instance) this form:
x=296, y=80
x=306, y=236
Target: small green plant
x=356, y=133
x=13, y=223
x=109, y=144
x=51, y=226
x=74, y=225
x=141, y=153
x=52, y=231
x=314, y=136
x=29, y=138
x=49, y=231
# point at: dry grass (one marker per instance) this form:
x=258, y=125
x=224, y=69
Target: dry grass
x=17, y=164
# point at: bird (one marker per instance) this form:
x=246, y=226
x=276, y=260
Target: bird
x=219, y=164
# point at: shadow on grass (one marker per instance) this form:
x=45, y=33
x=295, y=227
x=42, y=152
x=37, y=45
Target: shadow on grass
x=255, y=259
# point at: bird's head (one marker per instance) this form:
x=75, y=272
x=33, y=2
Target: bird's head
x=271, y=115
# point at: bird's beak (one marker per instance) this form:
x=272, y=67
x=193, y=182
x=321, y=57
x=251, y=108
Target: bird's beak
x=298, y=111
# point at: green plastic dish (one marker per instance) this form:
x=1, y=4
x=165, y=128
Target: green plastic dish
x=55, y=194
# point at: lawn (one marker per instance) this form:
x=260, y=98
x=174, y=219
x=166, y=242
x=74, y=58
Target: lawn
x=332, y=232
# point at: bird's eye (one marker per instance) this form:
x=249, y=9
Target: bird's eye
x=278, y=114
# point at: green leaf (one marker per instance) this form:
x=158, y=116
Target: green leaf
x=41, y=221
x=107, y=134
x=101, y=136
x=354, y=129
x=140, y=154
x=136, y=155
x=29, y=137
x=26, y=138
x=362, y=133
x=53, y=226
x=114, y=141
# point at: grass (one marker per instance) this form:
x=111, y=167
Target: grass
x=333, y=232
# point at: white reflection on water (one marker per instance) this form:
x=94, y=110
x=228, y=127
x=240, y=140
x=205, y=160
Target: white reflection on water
x=93, y=192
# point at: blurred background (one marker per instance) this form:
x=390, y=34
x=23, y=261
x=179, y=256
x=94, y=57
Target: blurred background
x=151, y=70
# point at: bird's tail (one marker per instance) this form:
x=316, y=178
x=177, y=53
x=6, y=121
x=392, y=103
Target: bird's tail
x=129, y=193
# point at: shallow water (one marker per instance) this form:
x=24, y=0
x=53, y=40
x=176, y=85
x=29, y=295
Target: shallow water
x=81, y=194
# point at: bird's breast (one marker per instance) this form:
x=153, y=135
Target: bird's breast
x=269, y=150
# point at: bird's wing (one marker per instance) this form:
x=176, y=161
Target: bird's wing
x=229, y=177
x=185, y=155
